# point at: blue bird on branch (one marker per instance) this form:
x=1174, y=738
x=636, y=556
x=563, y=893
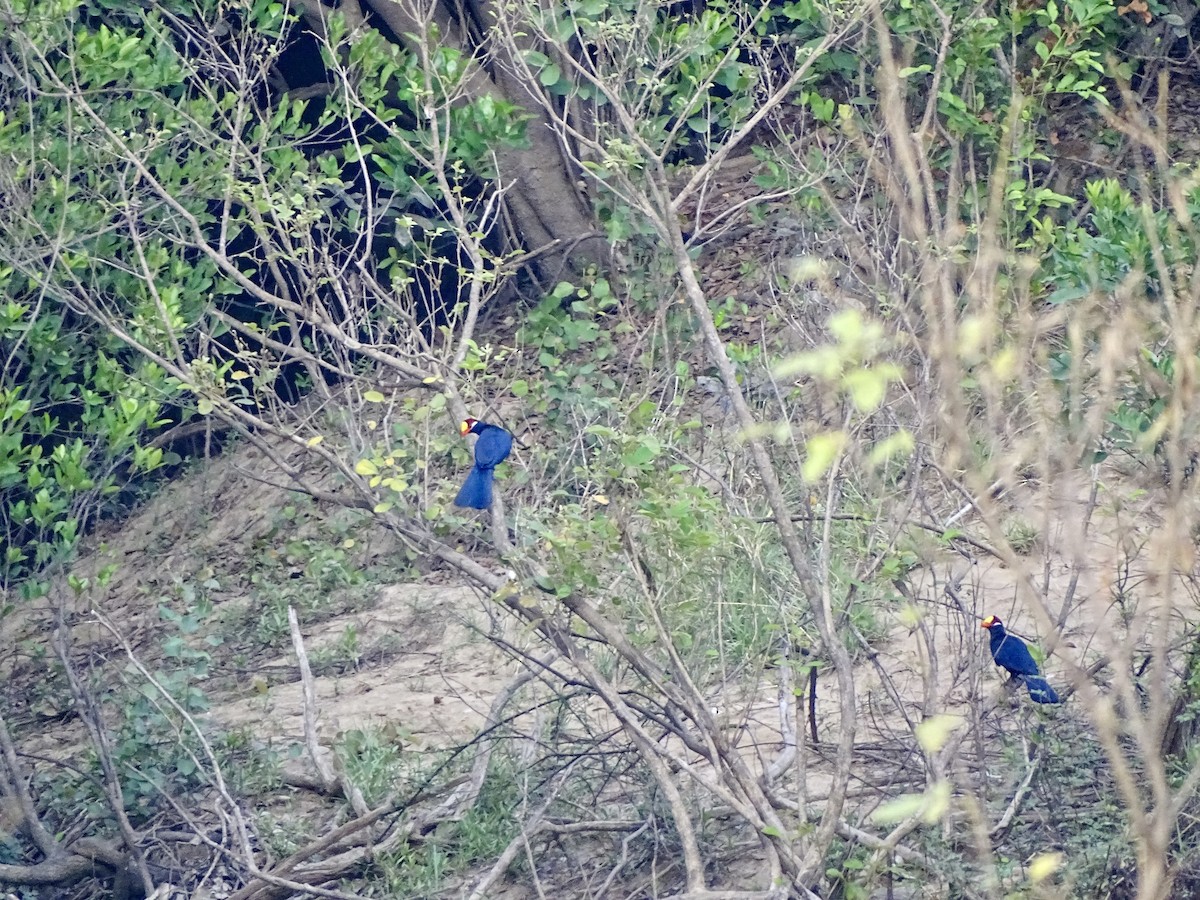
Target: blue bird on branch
x=491, y=448
x=1010, y=653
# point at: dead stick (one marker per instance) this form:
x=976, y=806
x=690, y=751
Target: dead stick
x=329, y=778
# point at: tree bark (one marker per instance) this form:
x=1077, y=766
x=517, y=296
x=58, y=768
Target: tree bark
x=545, y=206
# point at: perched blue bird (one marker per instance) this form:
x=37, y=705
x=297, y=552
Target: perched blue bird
x=492, y=446
x=1011, y=653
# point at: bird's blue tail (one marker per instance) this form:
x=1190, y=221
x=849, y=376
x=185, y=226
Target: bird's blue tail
x=1040, y=690
x=476, y=491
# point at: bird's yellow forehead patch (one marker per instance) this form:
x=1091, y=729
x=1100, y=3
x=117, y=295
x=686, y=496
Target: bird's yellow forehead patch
x=988, y=622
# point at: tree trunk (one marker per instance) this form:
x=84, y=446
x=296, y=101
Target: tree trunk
x=547, y=210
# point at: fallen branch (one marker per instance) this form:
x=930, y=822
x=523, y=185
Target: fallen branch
x=1014, y=805
x=63, y=870
x=329, y=778
x=298, y=870
x=86, y=858
x=268, y=885
x=16, y=794
x=311, y=738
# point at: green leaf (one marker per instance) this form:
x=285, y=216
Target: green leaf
x=545, y=583
x=373, y=397
x=366, y=467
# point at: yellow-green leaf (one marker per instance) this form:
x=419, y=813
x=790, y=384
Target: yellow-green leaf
x=867, y=388
x=204, y=406
x=806, y=268
x=1044, y=865
x=373, y=397
x=933, y=733
x=381, y=508
x=366, y=467
x=779, y=431
x=930, y=806
x=823, y=450
x=903, y=807
x=898, y=444
x=824, y=362
x=1004, y=363
x=314, y=440
x=973, y=333
x=505, y=591
x=939, y=802
x=846, y=325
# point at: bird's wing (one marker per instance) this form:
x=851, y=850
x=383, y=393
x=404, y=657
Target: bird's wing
x=1015, y=656
x=492, y=447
